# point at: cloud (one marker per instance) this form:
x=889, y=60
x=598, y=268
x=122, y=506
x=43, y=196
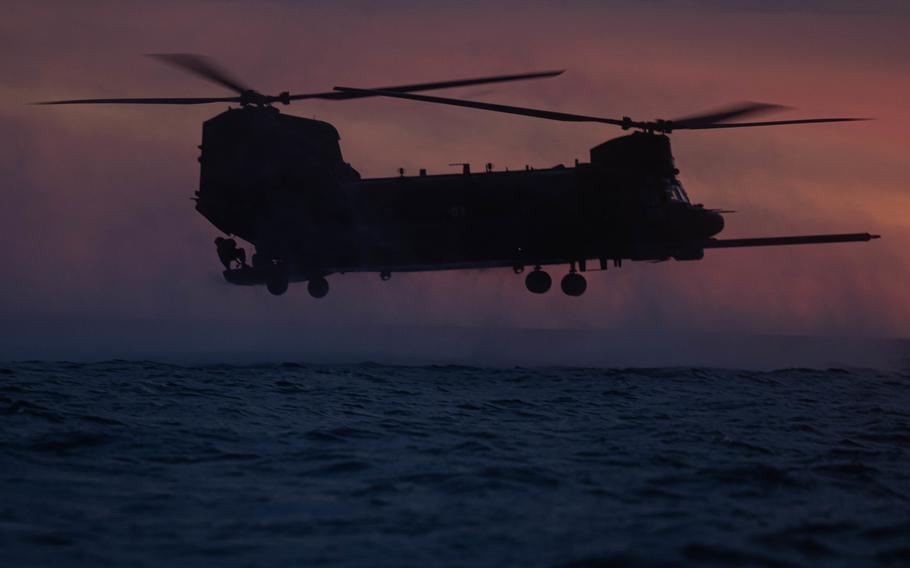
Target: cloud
x=98, y=221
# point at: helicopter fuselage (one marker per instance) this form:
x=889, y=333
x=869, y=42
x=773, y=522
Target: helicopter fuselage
x=279, y=182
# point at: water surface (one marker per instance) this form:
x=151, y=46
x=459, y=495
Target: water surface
x=146, y=464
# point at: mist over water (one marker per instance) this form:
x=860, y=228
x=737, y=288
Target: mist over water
x=294, y=338
x=146, y=464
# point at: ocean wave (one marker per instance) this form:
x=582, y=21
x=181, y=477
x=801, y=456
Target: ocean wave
x=138, y=462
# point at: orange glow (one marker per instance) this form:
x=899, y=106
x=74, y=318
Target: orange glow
x=86, y=187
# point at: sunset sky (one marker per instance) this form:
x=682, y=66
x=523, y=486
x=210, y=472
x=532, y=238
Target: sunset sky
x=97, y=222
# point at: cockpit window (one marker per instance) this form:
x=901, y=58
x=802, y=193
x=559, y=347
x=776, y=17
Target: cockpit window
x=675, y=192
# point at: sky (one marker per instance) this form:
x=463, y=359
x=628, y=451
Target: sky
x=100, y=232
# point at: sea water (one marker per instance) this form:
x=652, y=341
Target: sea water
x=147, y=464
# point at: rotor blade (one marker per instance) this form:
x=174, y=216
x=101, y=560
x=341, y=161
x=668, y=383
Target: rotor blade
x=721, y=115
x=337, y=95
x=152, y=101
x=537, y=113
x=203, y=67
x=768, y=123
x=781, y=241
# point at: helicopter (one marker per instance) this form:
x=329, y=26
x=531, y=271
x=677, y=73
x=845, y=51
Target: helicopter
x=280, y=183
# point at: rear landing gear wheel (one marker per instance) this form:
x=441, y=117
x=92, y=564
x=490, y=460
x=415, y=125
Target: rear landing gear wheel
x=538, y=281
x=277, y=282
x=318, y=287
x=573, y=284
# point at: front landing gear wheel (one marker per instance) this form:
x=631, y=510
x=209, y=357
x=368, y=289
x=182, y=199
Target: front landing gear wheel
x=277, y=282
x=318, y=287
x=573, y=284
x=538, y=282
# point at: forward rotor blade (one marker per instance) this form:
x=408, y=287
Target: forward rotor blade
x=145, y=101
x=523, y=111
x=203, y=67
x=334, y=95
x=337, y=95
x=767, y=123
x=721, y=115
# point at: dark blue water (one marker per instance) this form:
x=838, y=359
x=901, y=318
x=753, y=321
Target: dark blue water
x=135, y=463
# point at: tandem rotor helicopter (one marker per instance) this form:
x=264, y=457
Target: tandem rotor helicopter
x=280, y=183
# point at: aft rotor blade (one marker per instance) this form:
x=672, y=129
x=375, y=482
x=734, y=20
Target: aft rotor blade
x=203, y=67
x=523, y=111
x=145, y=101
x=337, y=95
x=767, y=123
x=721, y=115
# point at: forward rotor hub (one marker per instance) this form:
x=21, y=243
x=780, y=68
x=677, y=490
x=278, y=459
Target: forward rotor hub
x=251, y=97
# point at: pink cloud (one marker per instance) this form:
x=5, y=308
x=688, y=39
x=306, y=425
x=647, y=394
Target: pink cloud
x=89, y=187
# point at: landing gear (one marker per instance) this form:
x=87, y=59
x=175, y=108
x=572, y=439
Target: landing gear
x=538, y=281
x=277, y=281
x=230, y=254
x=318, y=287
x=573, y=284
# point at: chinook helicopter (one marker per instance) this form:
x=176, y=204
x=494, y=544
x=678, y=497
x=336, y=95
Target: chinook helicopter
x=280, y=183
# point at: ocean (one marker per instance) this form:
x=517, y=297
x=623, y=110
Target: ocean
x=149, y=464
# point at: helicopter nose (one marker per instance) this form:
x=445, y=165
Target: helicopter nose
x=712, y=223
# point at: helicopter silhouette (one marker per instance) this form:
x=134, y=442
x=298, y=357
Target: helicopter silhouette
x=280, y=182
